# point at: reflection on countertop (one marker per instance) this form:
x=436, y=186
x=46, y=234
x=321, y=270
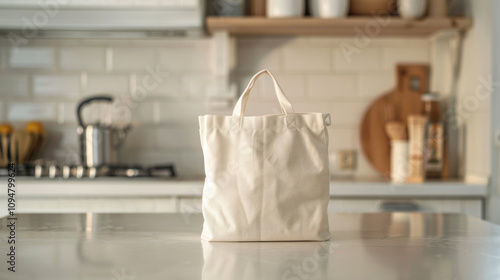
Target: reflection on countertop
x=159, y=246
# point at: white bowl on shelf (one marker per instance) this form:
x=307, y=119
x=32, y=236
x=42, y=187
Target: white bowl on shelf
x=285, y=8
x=412, y=9
x=329, y=8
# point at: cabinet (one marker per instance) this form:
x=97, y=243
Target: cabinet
x=188, y=205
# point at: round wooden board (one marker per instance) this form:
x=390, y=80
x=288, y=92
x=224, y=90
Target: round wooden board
x=404, y=100
x=374, y=140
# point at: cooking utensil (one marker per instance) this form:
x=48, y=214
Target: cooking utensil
x=21, y=143
x=5, y=132
x=396, y=130
x=399, y=146
x=38, y=137
x=99, y=143
x=416, y=128
x=412, y=82
x=4, y=144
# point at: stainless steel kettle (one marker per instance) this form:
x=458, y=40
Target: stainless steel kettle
x=99, y=143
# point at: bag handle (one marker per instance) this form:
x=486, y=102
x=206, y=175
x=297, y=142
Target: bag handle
x=286, y=106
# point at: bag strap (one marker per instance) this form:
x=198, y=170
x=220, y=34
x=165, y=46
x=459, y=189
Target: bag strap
x=286, y=106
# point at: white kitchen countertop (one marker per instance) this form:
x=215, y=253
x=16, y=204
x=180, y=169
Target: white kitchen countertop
x=385, y=246
x=148, y=187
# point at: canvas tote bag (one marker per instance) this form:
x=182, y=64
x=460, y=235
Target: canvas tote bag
x=267, y=177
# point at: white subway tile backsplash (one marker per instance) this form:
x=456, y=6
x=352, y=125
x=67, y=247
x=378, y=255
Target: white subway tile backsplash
x=2, y=112
x=363, y=59
x=187, y=59
x=332, y=86
x=364, y=169
x=163, y=138
x=134, y=58
x=141, y=137
x=113, y=84
x=255, y=59
x=56, y=85
x=3, y=56
x=197, y=86
x=341, y=139
x=14, y=85
x=155, y=85
x=27, y=111
x=348, y=113
x=181, y=112
x=292, y=85
x=191, y=163
x=82, y=58
x=178, y=138
x=395, y=56
x=313, y=72
x=32, y=57
x=66, y=112
x=145, y=112
x=313, y=107
x=313, y=59
x=375, y=85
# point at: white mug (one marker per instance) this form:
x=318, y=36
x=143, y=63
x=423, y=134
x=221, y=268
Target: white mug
x=412, y=8
x=329, y=8
x=285, y=8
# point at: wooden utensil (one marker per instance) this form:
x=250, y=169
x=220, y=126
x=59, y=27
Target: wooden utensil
x=4, y=158
x=405, y=99
x=20, y=145
x=5, y=132
x=416, y=128
x=396, y=130
x=38, y=137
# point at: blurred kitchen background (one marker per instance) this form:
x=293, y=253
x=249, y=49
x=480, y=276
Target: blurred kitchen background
x=163, y=70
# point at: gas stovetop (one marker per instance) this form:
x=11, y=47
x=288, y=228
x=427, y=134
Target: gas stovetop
x=53, y=170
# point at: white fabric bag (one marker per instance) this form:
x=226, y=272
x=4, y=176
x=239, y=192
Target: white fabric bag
x=267, y=177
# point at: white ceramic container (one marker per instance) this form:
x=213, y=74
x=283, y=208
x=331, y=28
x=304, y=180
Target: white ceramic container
x=329, y=8
x=285, y=8
x=411, y=9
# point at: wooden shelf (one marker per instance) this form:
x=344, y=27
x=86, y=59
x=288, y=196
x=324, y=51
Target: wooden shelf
x=350, y=26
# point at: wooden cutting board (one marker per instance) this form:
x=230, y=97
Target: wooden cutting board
x=404, y=100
